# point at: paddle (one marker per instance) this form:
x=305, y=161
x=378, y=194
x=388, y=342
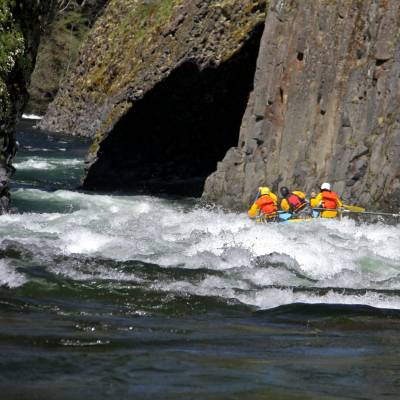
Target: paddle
x=341, y=210
x=353, y=208
x=257, y=196
x=375, y=213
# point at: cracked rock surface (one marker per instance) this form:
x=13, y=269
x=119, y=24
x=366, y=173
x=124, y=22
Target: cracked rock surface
x=325, y=106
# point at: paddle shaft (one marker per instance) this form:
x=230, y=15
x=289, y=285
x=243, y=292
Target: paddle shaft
x=358, y=212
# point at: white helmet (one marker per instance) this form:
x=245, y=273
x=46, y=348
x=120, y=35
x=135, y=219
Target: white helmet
x=326, y=186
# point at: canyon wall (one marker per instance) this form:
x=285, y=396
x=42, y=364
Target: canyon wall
x=325, y=106
x=173, y=91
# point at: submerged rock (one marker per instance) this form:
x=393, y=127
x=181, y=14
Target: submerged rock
x=325, y=106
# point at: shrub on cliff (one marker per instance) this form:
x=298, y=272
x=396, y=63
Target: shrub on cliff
x=59, y=49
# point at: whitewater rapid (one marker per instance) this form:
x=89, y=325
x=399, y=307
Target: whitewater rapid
x=264, y=266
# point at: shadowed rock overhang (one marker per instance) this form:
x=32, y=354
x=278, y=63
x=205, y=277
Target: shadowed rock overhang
x=161, y=87
x=172, y=139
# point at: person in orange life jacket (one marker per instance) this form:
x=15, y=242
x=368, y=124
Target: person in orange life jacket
x=293, y=202
x=327, y=199
x=265, y=205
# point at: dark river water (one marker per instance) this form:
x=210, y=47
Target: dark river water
x=106, y=296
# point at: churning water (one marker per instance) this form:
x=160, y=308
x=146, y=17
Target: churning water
x=117, y=296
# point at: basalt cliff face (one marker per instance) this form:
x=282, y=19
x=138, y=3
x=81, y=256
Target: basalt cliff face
x=161, y=86
x=325, y=105
x=20, y=27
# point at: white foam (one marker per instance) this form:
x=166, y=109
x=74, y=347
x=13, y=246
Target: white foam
x=9, y=277
x=271, y=298
x=83, y=241
x=33, y=164
x=32, y=117
x=39, y=163
x=36, y=149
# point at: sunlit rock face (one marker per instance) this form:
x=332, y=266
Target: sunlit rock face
x=325, y=105
x=161, y=86
x=20, y=27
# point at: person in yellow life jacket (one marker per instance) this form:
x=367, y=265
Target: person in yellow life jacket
x=327, y=199
x=294, y=202
x=265, y=205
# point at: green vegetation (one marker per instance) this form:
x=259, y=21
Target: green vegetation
x=11, y=50
x=58, y=51
x=18, y=20
x=20, y=26
x=138, y=25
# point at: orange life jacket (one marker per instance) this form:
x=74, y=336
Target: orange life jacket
x=329, y=199
x=295, y=202
x=267, y=205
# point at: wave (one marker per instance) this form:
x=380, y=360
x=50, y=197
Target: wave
x=264, y=266
x=43, y=149
x=39, y=163
x=9, y=277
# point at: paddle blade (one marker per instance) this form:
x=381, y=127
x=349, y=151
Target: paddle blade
x=354, y=208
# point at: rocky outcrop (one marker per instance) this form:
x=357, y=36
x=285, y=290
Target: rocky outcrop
x=162, y=87
x=20, y=28
x=59, y=49
x=325, y=106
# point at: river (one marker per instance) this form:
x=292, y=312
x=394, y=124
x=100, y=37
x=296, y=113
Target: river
x=113, y=296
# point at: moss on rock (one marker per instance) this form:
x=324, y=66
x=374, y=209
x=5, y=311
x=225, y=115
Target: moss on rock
x=136, y=44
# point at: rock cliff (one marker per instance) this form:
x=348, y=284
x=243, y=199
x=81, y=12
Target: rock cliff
x=325, y=105
x=20, y=28
x=165, y=86
x=162, y=86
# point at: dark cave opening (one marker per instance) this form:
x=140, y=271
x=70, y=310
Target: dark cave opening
x=172, y=139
